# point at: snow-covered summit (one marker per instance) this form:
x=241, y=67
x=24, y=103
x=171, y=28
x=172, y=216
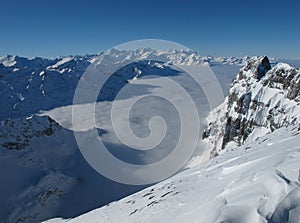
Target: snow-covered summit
x=261, y=99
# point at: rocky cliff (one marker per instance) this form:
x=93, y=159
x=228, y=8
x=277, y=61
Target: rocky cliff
x=261, y=99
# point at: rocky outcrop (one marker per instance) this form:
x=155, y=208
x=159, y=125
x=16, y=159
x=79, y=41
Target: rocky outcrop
x=16, y=134
x=261, y=99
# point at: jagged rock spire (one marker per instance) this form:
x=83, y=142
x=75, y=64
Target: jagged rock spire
x=262, y=68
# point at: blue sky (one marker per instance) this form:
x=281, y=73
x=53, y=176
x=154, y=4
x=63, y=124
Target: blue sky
x=50, y=28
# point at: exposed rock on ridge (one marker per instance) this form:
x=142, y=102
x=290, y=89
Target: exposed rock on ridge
x=261, y=99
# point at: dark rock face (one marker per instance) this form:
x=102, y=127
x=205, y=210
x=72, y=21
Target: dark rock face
x=262, y=68
x=260, y=97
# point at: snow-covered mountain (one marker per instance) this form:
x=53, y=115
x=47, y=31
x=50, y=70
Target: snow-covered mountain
x=43, y=174
x=30, y=85
x=261, y=99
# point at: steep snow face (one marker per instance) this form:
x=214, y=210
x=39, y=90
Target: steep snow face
x=260, y=100
x=257, y=182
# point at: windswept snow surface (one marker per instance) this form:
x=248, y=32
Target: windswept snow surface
x=257, y=182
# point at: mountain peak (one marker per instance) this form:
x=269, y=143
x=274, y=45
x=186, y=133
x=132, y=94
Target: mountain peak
x=261, y=99
x=262, y=68
x=258, y=66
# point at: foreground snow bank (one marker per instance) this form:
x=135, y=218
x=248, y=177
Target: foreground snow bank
x=257, y=182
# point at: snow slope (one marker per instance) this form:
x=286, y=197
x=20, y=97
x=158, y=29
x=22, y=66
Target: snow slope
x=257, y=182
